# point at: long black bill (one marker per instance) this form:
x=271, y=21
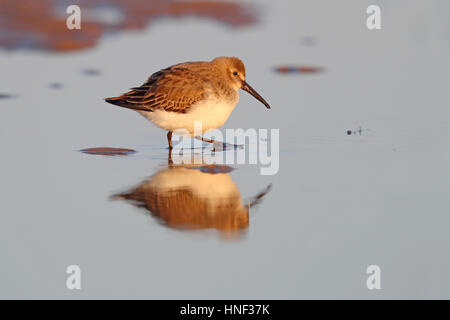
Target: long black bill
x=246, y=87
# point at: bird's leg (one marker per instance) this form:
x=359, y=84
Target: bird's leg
x=214, y=143
x=169, y=158
x=169, y=139
x=204, y=139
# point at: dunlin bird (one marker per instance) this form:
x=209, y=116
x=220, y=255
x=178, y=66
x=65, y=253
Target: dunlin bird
x=175, y=97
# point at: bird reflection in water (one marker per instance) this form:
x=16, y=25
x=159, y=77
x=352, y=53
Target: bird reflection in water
x=194, y=197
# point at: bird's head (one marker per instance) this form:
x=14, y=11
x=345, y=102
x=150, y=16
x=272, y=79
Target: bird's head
x=234, y=70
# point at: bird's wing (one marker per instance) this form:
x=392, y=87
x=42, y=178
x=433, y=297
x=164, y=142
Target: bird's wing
x=174, y=89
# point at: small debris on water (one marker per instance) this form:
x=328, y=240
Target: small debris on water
x=358, y=131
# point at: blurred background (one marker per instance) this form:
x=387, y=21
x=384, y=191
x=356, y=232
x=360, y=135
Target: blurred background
x=364, y=151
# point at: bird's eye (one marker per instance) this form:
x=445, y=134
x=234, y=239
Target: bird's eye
x=235, y=73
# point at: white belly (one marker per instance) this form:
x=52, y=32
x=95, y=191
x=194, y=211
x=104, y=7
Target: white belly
x=211, y=113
